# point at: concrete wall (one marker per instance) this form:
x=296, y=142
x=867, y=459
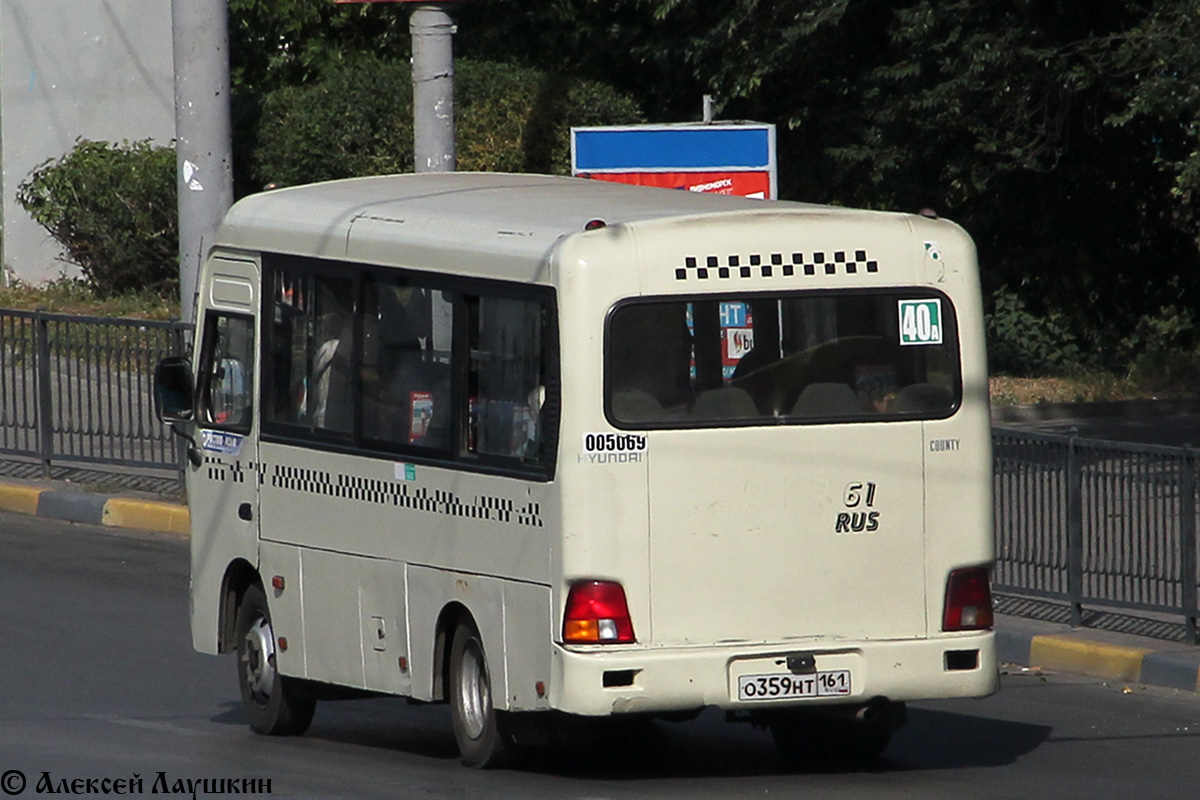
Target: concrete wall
x=97, y=69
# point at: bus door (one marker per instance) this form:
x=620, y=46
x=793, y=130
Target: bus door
x=227, y=428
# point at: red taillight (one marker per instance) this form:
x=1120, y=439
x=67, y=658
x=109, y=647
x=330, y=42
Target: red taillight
x=597, y=614
x=968, y=600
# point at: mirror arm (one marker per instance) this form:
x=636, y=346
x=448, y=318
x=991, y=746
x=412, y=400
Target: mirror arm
x=195, y=457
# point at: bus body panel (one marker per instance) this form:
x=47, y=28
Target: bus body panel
x=354, y=505
x=791, y=537
x=528, y=638
x=383, y=613
x=431, y=591
x=691, y=678
x=957, y=451
x=287, y=604
x=332, y=632
x=605, y=497
x=512, y=617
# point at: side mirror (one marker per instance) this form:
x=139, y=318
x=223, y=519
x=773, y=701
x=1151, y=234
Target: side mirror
x=174, y=390
x=175, y=400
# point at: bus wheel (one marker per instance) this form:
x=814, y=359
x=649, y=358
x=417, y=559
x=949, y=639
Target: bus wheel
x=481, y=730
x=276, y=705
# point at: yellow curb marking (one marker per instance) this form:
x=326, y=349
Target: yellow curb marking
x=148, y=515
x=22, y=499
x=1089, y=658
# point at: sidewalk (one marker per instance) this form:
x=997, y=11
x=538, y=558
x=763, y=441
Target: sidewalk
x=74, y=502
x=1127, y=658
x=1133, y=658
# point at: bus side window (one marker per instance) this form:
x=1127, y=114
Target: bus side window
x=650, y=361
x=332, y=406
x=406, y=364
x=506, y=377
x=227, y=367
x=312, y=349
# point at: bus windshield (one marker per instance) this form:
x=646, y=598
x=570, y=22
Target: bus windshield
x=800, y=358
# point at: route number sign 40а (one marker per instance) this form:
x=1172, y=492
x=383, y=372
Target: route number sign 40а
x=920, y=322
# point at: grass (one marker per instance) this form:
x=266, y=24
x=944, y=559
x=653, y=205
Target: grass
x=1087, y=388
x=72, y=296
x=1093, y=387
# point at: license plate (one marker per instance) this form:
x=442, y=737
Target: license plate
x=831, y=683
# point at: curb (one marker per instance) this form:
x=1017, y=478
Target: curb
x=94, y=509
x=1073, y=652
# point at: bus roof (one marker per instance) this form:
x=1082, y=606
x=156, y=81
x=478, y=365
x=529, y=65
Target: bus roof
x=512, y=218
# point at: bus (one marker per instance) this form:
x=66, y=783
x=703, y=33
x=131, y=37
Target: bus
x=547, y=448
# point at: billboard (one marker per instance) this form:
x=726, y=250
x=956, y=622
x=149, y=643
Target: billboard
x=735, y=158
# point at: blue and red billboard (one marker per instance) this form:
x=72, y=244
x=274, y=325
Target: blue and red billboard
x=735, y=158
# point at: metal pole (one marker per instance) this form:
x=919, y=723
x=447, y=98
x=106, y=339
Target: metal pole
x=1187, y=541
x=45, y=411
x=1074, y=532
x=433, y=88
x=203, y=133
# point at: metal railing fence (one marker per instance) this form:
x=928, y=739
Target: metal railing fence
x=1099, y=522
x=79, y=389
x=1080, y=520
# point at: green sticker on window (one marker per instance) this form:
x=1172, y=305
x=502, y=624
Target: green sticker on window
x=920, y=322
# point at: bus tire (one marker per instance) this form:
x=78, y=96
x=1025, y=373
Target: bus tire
x=480, y=730
x=277, y=705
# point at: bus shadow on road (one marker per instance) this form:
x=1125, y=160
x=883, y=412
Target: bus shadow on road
x=655, y=750
x=935, y=739
x=710, y=747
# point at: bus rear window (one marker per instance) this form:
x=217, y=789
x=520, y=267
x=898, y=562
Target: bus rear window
x=802, y=358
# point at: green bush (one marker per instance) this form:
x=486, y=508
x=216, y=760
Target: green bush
x=113, y=208
x=1163, y=352
x=357, y=120
x=1023, y=343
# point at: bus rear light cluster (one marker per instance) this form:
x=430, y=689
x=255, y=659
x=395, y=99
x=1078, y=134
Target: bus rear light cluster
x=968, y=600
x=597, y=613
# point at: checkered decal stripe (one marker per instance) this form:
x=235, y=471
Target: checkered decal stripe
x=404, y=495
x=219, y=470
x=776, y=265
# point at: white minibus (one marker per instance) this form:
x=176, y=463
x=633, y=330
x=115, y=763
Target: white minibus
x=544, y=447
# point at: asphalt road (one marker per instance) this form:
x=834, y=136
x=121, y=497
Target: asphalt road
x=98, y=681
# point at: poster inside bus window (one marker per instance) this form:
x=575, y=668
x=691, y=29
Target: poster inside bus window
x=737, y=335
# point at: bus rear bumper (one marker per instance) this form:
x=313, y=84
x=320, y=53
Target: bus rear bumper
x=602, y=681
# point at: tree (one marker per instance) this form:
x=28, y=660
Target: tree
x=1061, y=133
x=276, y=43
x=1158, y=61
x=357, y=120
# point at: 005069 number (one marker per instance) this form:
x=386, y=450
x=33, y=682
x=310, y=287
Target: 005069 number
x=833, y=683
x=613, y=443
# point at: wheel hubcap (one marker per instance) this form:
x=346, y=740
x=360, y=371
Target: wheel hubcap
x=474, y=692
x=258, y=662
